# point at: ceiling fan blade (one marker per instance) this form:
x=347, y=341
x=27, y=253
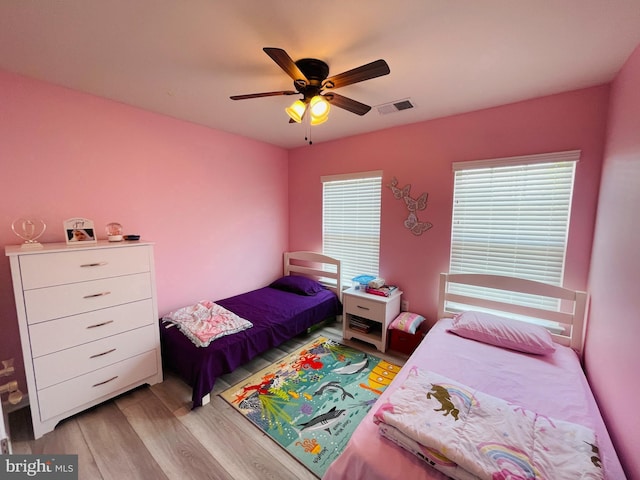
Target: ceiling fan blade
x=360, y=74
x=347, y=103
x=285, y=62
x=265, y=94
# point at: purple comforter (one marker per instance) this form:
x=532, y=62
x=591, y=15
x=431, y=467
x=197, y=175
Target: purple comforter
x=277, y=316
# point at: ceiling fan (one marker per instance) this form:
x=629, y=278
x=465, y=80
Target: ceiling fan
x=310, y=80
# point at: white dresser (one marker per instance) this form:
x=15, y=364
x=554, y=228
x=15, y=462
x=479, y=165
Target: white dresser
x=88, y=324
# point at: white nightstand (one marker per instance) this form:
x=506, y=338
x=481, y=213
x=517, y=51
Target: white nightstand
x=367, y=317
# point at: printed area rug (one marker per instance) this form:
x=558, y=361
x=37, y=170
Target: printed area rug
x=311, y=401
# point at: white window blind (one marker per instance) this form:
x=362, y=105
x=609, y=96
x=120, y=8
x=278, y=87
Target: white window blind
x=511, y=217
x=351, y=222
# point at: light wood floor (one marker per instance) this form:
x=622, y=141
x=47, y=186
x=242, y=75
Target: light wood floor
x=152, y=433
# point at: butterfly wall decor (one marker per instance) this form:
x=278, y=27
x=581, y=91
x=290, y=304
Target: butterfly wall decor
x=399, y=193
x=412, y=223
x=417, y=227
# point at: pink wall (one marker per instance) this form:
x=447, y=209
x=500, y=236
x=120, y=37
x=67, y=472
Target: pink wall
x=421, y=154
x=200, y=194
x=612, y=355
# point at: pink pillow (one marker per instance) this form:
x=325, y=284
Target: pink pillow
x=503, y=332
x=407, y=322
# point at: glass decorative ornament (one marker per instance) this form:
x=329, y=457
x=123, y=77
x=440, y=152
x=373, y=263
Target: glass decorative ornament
x=29, y=230
x=114, y=232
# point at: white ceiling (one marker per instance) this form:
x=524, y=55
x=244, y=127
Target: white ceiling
x=184, y=58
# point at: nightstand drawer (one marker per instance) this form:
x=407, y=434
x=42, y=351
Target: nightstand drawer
x=365, y=307
x=64, y=300
x=81, y=265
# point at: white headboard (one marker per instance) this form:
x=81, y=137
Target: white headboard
x=322, y=268
x=571, y=318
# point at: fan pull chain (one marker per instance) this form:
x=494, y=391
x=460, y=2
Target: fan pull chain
x=307, y=126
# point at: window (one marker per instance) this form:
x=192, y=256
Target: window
x=351, y=222
x=511, y=217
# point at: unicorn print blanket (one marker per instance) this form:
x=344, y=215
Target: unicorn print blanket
x=470, y=435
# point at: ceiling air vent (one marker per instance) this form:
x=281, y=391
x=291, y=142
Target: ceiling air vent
x=396, y=106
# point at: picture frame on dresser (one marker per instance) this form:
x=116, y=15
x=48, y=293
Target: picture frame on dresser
x=87, y=319
x=79, y=231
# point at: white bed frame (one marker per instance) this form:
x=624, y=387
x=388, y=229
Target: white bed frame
x=574, y=303
x=322, y=268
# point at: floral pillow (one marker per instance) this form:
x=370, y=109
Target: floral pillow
x=503, y=332
x=297, y=284
x=407, y=322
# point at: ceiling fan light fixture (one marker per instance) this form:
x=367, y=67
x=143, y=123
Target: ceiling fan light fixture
x=318, y=120
x=319, y=110
x=296, y=110
x=310, y=77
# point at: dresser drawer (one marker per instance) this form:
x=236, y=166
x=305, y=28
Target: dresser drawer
x=78, y=391
x=365, y=307
x=44, y=270
x=64, y=300
x=72, y=362
x=62, y=333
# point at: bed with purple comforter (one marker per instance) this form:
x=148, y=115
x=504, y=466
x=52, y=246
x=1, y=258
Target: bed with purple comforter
x=277, y=315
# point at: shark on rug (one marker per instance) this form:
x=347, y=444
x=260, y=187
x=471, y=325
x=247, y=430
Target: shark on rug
x=323, y=422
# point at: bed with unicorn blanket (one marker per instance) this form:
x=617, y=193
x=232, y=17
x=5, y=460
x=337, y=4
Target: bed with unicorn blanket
x=203, y=341
x=487, y=395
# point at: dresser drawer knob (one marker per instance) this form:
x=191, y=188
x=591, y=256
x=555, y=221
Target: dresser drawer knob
x=106, y=381
x=94, y=295
x=363, y=308
x=96, y=264
x=103, y=353
x=100, y=324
